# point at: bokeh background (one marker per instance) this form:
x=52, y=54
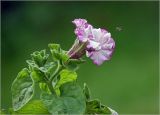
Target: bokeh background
x=127, y=83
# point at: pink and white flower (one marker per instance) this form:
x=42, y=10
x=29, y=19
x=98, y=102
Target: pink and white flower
x=100, y=47
x=99, y=43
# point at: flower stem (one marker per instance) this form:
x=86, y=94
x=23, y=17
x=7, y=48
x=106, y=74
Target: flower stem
x=59, y=68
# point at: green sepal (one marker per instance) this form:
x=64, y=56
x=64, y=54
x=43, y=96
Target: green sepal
x=77, y=61
x=22, y=89
x=71, y=101
x=72, y=64
x=40, y=57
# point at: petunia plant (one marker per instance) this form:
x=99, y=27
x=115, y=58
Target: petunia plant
x=54, y=74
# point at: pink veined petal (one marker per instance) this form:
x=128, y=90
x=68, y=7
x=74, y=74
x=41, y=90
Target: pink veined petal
x=96, y=34
x=83, y=30
x=109, y=46
x=92, y=44
x=106, y=53
x=104, y=37
x=78, y=32
x=107, y=35
x=98, y=58
x=88, y=30
x=79, y=22
x=111, y=41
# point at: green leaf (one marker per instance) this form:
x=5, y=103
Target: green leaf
x=53, y=46
x=40, y=57
x=71, y=101
x=40, y=73
x=63, y=56
x=65, y=76
x=32, y=107
x=58, y=53
x=86, y=91
x=95, y=107
x=44, y=87
x=47, y=68
x=22, y=89
x=55, y=51
x=31, y=65
x=37, y=75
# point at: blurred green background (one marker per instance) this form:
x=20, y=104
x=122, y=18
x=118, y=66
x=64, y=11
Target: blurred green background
x=127, y=83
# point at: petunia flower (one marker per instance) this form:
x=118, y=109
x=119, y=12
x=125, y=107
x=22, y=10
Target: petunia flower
x=97, y=43
x=100, y=47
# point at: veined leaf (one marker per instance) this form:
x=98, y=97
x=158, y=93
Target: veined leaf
x=22, y=89
x=47, y=68
x=58, y=53
x=39, y=73
x=71, y=101
x=40, y=57
x=44, y=87
x=33, y=107
x=65, y=76
x=55, y=51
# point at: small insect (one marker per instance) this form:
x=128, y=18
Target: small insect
x=119, y=28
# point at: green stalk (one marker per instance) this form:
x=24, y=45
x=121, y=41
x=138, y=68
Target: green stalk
x=55, y=74
x=49, y=85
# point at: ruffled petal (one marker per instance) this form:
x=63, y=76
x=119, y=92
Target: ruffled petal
x=80, y=22
x=101, y=47
x=97, y=57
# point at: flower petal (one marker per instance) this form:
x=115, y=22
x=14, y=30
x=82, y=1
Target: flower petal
x=79, y=22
